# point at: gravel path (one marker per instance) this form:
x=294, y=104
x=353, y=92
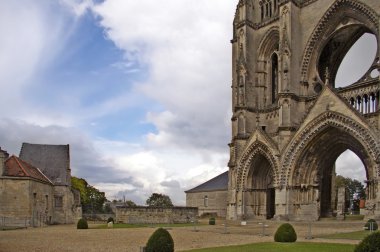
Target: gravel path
x=68, y=238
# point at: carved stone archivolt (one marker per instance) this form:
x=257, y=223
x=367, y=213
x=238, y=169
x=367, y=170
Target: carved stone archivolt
x=313, y=130
x=257, y=148
x=325, y=24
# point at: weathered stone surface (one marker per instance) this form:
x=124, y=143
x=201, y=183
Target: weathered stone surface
x=289, y=122
x=152, y=215
x=212, y=202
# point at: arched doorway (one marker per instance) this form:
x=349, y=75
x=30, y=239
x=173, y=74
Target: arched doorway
x=260, y=190
x=351, y=175
x=315, y=170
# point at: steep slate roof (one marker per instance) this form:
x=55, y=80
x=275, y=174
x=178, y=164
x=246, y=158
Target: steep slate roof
x=52, y=160
x=219, y=183
x=15, y=167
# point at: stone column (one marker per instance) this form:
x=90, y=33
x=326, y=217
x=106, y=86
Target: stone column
x=283, y=204
x=341, y=206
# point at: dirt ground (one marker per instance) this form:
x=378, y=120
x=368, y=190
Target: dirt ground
x=68, y=238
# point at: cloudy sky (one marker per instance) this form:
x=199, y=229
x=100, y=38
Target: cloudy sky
x=139, y=89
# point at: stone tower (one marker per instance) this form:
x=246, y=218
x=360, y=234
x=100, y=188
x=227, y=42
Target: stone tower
x=289, y=122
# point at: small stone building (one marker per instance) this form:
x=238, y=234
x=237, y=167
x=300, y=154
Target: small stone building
x=210, y=197
x=35, y=188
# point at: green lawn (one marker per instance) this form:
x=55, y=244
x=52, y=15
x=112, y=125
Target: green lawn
x=357, y=235
x=282, y=247
x=121, y=225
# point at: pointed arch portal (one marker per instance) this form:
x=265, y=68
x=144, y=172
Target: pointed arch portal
x=260, y=189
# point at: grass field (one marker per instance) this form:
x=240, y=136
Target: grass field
x=358, y=235
x=282, y=247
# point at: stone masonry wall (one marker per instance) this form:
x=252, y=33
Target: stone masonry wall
x=25, y=201
x=216, y=202
x=150, y=215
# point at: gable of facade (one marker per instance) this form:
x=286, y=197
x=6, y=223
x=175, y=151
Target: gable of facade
x=210, y=197
x=53, y=160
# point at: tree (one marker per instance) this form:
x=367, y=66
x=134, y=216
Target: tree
x=352, y=185
x=92, y=199
x=159, y=200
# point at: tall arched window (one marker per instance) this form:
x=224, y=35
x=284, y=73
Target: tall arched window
x=274, y=77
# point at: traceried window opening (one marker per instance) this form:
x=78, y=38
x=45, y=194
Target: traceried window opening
x=262, y=12
x=274, y=76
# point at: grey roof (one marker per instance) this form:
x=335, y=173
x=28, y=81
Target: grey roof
x=219, y=183
x=52, y=160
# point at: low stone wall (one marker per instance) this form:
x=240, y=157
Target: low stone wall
x=98, y=216
x=153, y=215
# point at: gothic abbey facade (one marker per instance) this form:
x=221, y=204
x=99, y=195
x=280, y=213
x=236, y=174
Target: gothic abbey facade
x=290, y=123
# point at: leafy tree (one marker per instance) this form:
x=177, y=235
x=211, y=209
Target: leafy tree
x=352, y=185
x=92, y=199
x=159, y=200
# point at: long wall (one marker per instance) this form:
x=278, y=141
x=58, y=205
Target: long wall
x=152, y=215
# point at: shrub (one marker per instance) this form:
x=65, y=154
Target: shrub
x=82, y=224
x=367, y=226
x=211, y=221
x=285, y=233
x=160, y=241
x=110, y=219
x=369, y=244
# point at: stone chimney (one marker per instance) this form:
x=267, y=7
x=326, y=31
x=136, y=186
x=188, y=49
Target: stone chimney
x=3, y=156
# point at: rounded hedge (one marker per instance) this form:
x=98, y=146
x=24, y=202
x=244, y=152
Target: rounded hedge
x=82, y=224
x=211, y=221
x=367, y=226
x=285, y=233
x=110, y=219
x=371, y=243
x=160, y=241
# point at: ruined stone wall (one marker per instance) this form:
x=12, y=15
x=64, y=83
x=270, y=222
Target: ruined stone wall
x=150, y=215
x=216, y=202
x=66, y=211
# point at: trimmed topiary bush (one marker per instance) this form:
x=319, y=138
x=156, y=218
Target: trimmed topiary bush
x=369, y=244
x=82, y=224
x=110, y=219
x=160, y=241
x=367, y=226
x=211, y=221
x=285, y=233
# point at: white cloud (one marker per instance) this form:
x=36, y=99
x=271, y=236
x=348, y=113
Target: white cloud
x=349, y=165
x=33, y=35
x=79, y=7
x=183, y=44
x=187, y=52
